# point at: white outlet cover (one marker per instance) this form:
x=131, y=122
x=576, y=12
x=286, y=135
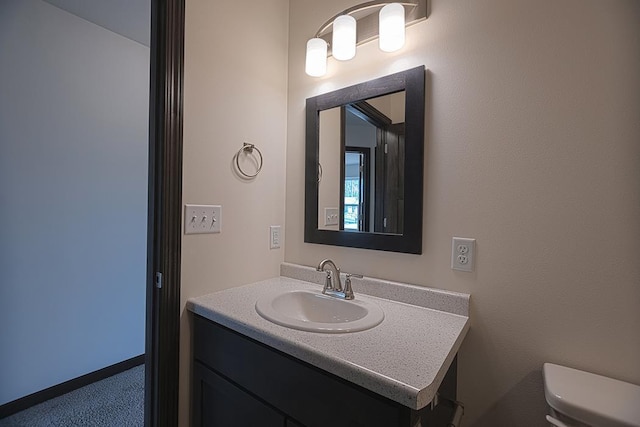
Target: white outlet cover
x=463, y=251
x=201, y=219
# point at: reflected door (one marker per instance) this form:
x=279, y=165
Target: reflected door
x=389, y=193
x=356, y=188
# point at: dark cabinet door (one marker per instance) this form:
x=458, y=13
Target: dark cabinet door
x=218, y=403
x=241, y=382
x=303, y=392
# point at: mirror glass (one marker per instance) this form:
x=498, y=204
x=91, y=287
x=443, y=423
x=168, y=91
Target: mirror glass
x=362, y=158
x=364, y=164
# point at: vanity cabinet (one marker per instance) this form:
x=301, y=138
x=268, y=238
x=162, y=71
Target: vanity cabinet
x=238, y=381
x=224, y=404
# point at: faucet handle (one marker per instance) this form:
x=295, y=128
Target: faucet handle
x=328, y=285
x=348, y=291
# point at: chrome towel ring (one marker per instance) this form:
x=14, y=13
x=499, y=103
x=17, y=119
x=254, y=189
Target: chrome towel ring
x=249, y=148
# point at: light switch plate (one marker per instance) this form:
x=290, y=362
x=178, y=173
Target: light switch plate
x=463, y=253
x=331, y=216
x=199, y=219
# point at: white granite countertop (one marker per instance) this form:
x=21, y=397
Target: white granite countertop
x=404, y=358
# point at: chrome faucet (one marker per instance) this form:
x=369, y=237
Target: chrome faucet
x=333, y=284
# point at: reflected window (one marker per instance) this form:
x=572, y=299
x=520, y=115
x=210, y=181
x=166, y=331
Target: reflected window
x=352, y=191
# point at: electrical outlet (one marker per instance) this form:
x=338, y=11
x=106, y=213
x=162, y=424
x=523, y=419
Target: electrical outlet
x=274, y=239
x=331, y=216
x=199, y=219
x=462, y=253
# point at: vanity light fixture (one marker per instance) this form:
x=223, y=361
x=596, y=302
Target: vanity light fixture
x=316, y=63
x=391, y=27
x=344, y=38
x=358, y=25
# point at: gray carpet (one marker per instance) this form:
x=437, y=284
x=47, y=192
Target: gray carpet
x=117, y=401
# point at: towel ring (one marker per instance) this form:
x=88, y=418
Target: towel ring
x=249, y=148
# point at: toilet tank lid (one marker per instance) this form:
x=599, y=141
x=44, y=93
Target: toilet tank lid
x=591, y=398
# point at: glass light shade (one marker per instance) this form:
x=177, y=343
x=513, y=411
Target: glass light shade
x=316, y=62
x=344, y=38
x=391, y=27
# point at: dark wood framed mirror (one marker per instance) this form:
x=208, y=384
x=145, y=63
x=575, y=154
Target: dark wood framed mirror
x=364, y=164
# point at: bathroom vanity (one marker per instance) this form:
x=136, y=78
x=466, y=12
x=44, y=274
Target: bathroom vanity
x=250, y=371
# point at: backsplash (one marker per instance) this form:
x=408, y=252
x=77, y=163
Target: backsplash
x=436, y=299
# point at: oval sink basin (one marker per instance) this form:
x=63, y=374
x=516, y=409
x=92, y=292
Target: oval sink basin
x=316, y=312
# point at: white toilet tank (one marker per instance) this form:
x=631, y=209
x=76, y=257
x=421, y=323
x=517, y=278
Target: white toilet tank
x=588, y=399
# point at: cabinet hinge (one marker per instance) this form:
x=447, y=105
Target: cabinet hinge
x=159, y=280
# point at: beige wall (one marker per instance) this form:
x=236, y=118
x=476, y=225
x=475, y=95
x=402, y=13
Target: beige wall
x=235, y=90
x=329, y=158
x=533, y=148
x=391, y=105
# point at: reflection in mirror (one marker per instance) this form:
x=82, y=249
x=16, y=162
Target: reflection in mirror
x=361, y=138
x=329, y=159
x=362, y=152
x=355, y=209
